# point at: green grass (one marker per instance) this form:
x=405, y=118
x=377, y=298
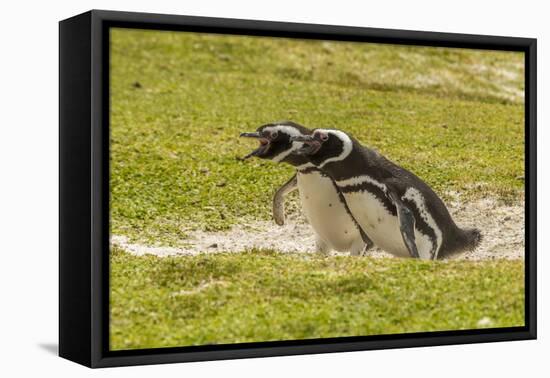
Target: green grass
x=261, y=296
x=179, y=102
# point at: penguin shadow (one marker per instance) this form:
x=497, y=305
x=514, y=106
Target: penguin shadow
x=51, y=348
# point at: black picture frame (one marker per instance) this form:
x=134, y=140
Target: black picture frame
x=84, y=187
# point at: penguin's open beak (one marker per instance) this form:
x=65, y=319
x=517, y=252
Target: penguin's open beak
x=310, y=144
x=264, y=144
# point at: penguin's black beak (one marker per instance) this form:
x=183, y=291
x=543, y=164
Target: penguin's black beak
x=310, y=144
x=264, y=144
x=250, y=135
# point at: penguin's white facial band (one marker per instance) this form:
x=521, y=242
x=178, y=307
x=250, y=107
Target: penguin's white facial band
x=347, y=145
x=275, y=142
x=294, y=147
x=288, y=130
x=330, y=145
x=273, y=132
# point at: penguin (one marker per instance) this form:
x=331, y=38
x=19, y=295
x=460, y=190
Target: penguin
x=323, y=205
x=401, y=213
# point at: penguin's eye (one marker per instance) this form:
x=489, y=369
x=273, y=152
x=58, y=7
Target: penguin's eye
x=274, y=134
x=322, y=136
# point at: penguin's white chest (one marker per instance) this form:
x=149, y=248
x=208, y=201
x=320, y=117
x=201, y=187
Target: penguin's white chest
x=381, y=226
x=326, y=213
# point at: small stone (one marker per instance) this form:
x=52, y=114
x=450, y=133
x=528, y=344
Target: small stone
x=221, y=184
x=136, y=84
x=330, y=205
x=484, y=322
x=215, y=245
x=507, y=218
x=204, y=170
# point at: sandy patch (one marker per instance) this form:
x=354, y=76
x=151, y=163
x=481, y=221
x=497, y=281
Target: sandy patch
x=502, y=226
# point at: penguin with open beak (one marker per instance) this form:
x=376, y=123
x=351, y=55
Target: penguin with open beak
x=400, y=212
x=322, y=203
x=263, y=147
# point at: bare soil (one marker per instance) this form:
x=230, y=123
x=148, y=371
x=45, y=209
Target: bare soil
x=502, y=226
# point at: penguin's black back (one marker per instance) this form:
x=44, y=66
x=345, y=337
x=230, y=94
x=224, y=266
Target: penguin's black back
x=363, y=160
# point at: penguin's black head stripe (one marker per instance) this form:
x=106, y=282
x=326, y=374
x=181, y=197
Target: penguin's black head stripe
x=320, y=146
x=276, y=144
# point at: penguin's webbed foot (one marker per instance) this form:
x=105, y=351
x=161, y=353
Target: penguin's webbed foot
x=360, y=247
x=365, y=250
x=368, y=242
x=321, y=247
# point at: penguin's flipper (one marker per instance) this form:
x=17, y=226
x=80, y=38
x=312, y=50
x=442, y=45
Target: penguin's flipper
x=406, y=223
x=279, y=199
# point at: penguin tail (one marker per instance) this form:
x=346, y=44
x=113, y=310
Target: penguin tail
x=465, y=239
x=472, y=238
